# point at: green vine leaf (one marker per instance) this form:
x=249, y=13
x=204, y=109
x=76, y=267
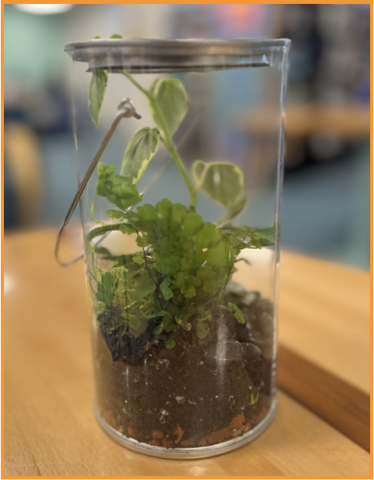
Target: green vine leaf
x=98, y=85
x=172, y=102
x=139, y=153
x=233, y=212
x=115, y=35
x=221, y=181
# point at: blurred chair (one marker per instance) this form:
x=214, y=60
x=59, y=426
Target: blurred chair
x=24, y=184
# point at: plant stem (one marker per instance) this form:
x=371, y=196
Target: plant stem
x=168, y=141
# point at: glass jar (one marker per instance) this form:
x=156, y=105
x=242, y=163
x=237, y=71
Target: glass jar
x=181, y=229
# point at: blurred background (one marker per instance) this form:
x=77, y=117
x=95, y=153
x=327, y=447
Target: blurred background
x=326, y=197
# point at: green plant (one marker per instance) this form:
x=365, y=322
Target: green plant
x=178, y=277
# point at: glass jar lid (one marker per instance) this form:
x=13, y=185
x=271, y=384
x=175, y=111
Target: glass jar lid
x=164, y=56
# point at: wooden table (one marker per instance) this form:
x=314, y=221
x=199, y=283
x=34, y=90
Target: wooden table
x=321, y=429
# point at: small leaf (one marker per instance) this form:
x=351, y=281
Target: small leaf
x=106, y=289
x=157, y=330
x=126, y=229
x=143, y=289
x=138, y=259
x=165, y=290
x=115, y=35
x=169, y=343
x=142, y=241
x=233, y=212
x=133, y=320
x=236, y=312
x=254, y=398
x=172, y=100
x=97, y=37
x=202, y=332
x=117, y=189
x=98, y=85
x=160, y=313
x=139, y=153
x=212, y=285
x=243, y=260
x=221, y=181
x=188, y=291
x=171, y=327
x=266, y=236
x=115, y=214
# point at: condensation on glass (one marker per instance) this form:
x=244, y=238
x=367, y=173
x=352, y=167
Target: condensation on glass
x=181, y=228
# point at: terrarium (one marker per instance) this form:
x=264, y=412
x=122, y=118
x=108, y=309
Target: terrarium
x=180, y=211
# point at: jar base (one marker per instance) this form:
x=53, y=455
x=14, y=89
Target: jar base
x=189, y=453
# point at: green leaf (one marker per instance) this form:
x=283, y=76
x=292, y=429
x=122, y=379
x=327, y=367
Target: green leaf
x=202, y=331
x=115, y=214
x=160, y=313
x=133, y=320
x=115, y=35
x=97, y=37
x=171, y=327
x=172, y=101
x=232, y=308
x=138, y=258
x=159, y=329
x=106, y=289
x=98, y=85
x=266, y=236
x=139, y=153
x=142, y=241
x=117, y=189
x=188, y=291
x=221, y=181
x=169, y=343
x=207, y=235
x=233, y=212
x=165, y=290
x=192, y=224
x=213, y=285
x=243, y=260
x=144, y=288
x=126, y=229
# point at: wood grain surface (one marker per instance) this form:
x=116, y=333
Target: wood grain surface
x=49, y=426
x=340, y=404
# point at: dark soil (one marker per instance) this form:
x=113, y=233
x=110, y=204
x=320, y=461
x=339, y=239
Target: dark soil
x=198, y=393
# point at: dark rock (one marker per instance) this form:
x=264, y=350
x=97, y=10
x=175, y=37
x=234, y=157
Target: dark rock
x=125, y=345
